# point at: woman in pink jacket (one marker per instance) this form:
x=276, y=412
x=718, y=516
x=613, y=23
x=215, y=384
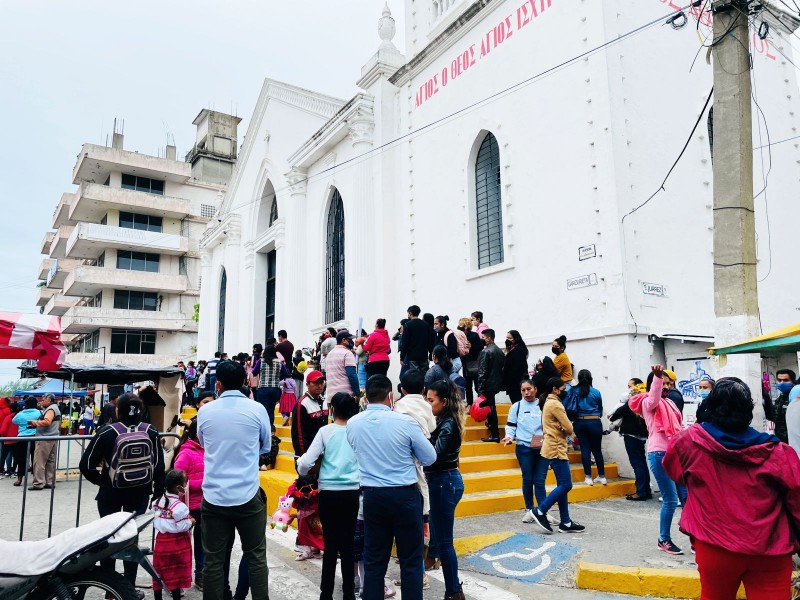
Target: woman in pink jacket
x=190, y=461
x=378, y=346
x=743, y=509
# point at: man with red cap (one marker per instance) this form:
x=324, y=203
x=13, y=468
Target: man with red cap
x=310, y=413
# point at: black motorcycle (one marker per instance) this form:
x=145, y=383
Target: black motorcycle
x=64, y=567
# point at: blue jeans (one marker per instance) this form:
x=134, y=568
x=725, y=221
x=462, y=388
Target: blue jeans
x=268, y=397
x=590, y=436
x=559, y=494
x=392, y=513
x=528, y=459
x=669, y=492
x=445, y=489
x=638, y=459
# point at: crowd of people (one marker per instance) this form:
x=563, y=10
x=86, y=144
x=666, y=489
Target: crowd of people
x=378, y=464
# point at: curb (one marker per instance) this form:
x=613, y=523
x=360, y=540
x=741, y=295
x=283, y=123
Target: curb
x=636, y=581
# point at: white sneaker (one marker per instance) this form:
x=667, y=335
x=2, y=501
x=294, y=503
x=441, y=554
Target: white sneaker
x=553, y=520
x=528, y=518
x=601, y=480
x=588, y=480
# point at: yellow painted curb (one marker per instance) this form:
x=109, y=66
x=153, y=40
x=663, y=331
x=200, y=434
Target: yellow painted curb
x=473, y=543
x=665, y=583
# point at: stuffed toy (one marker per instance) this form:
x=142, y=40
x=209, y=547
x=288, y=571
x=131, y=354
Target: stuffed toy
x=283, y=517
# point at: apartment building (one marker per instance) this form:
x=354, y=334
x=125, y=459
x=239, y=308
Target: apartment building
x=122, y=266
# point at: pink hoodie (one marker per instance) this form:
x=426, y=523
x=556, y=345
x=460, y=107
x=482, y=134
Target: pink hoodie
x=378, y=345
x=190, y=461
x=662, y=417
x=743, y=500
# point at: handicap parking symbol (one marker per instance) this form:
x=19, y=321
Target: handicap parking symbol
x=522, y=556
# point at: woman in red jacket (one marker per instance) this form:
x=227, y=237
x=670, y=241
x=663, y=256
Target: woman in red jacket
x=743, y=507
x=378, y=346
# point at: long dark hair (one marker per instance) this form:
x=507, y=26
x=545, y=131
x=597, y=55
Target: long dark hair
x=448, y=393
x=444, y=362
x=584, y=382
x=518, y=341
x=729, y=406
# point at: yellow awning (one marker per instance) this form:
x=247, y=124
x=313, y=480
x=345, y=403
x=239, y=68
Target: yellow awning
x=780, y=341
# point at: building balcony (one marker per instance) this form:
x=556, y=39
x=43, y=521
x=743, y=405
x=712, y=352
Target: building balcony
x=61, y=213
x=90, y=240
x=93, y=201
x=59, y=304
x=134, y=360
x=96, y=163
x=43, y=295
x=45, y=266
x=58, y=273
x=87, y=281
x=47, y=240
x=58, y=247
x=85, y=319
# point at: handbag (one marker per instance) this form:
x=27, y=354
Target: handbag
x=537, y=441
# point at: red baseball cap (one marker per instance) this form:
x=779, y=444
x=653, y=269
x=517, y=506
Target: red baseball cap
x=313, y=376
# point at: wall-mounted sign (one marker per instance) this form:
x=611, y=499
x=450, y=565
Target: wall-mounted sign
x=654, y=289
x=586, y=252
x=582, y=281
x=52, y=272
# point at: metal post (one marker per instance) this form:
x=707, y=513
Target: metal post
x=28, y=463
x=735, y=281
x=53, y=492
x=80, y=487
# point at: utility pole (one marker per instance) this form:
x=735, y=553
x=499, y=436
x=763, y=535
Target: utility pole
x=735, y=278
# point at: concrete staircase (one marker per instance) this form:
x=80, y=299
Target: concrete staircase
x=492, y=479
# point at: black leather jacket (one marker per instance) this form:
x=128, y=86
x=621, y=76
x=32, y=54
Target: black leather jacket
x=446, y=439
x=490, y=370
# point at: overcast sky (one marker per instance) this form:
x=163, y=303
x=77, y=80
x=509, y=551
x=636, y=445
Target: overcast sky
x=67, y=70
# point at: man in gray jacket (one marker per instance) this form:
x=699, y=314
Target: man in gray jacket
x=44, y=456
x=490, y=379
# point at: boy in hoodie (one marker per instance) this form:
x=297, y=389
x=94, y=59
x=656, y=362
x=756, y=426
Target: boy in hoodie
x=744, y=498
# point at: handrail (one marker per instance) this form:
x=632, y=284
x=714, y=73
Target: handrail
x=31, y=439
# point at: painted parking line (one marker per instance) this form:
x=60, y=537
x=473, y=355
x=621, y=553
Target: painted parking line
x=523, y=557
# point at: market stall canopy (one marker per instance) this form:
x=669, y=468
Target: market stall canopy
x=780, y=341
x=112, y=374
x=52, y=386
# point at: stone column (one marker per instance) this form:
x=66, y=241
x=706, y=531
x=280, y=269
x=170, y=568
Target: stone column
x=234, y=336
x=295, y=267
x=205, y=333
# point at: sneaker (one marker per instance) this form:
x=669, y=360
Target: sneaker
x=553, y=520
x=426, y=585
x=198, y=580
x=571, y=527
x=668, y=547
x=357, y=582
x=601, y=480
x=528, y=518
x=541, y=521
x=588, y=480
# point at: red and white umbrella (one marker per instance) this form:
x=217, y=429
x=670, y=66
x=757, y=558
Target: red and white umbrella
x=33, y=337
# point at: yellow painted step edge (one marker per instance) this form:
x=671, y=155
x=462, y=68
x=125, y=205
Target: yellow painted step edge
x=636, y=581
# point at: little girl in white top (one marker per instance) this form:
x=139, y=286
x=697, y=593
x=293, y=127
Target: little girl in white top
x=172, y=556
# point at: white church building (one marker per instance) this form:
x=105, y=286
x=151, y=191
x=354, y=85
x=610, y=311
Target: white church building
x=489, y=168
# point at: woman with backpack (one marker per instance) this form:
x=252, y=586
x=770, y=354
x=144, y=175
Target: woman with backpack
x=454, y=340
x=515, y=367
x=124, y=487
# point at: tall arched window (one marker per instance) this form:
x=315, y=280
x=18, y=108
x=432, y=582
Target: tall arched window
x=223, y=289
x=334, y=264
x=488, y=203
x=273, y=211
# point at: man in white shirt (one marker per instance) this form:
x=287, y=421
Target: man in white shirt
x=233, y=430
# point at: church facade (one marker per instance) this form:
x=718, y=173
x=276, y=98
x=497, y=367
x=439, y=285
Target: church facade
x=489, y=168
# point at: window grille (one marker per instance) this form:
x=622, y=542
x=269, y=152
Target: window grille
x=207, y=210
x=488, y=204
x=223, y=289
x=334, y=272
x=273, y=211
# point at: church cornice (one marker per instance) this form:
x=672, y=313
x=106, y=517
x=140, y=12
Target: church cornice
x=355, y=119
x=460, y=27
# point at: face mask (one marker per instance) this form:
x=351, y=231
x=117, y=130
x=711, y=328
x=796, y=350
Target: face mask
x=562, y=394
x=509, y=343
x=703, y=394
x=785, y=387
x=555, y=350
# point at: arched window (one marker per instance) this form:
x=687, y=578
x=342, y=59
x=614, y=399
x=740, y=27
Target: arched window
x=488, y=204
x=334, y=264
x=273, y=211
x=223, y=289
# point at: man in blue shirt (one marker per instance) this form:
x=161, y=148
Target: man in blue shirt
x=233, y=430
x=386, y=443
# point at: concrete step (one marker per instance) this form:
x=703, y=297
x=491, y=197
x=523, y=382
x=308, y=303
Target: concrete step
x=490, y=502
x=501, y=479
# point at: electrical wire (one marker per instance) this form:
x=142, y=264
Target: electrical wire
x=764, y=175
